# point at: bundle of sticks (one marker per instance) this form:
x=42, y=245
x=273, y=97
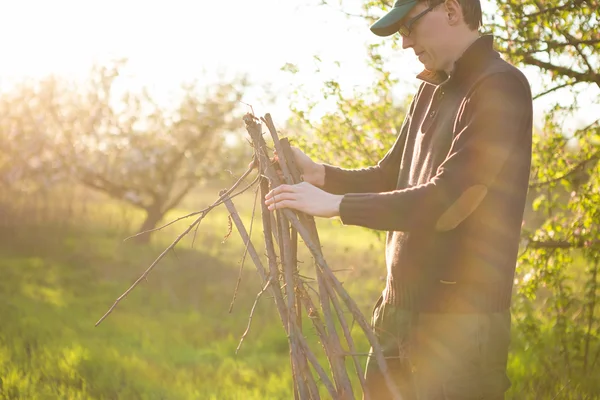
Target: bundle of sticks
x=288, y=288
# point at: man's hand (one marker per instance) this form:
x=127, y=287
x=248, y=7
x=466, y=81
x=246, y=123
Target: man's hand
x=312, y=172
x=306, y=198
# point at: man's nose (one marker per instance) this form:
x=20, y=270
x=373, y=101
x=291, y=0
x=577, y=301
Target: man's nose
x=407, y=42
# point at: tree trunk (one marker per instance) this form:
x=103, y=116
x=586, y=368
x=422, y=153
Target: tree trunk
x=153, y=217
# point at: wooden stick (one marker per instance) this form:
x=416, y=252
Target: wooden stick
x=295, y=176
x=351, y=346
x=316, y=251
x=315, y=363
x=267, y=170
x=264, y=289
x=313, y=313
x=335, y=355
x=288, y=275
x=313, y=390
x=276, y=291
x=280, y=153
x=291, y=160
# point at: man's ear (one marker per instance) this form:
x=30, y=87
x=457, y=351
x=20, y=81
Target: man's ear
x=453, y=12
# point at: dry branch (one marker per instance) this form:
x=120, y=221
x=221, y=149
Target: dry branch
x=239, y=280
x=333, y=347
x=347, y=299
x=172, y=245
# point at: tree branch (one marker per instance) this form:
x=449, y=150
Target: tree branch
x=576, y=169
x=590, y=77
x=562, y=244
x=551, y=44
x=564, y=85
x=97, y=182
x=238, y=182
x=573, y=5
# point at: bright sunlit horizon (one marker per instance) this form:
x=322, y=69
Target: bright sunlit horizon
x=167, y=43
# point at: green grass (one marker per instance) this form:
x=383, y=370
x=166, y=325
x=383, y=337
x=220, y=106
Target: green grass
x=173, y=337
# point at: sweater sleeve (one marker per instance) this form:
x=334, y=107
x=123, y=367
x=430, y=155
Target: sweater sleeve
x=497, y=115
x=379, y=178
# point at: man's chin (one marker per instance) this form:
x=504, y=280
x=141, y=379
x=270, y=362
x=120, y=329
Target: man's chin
x=428, y=67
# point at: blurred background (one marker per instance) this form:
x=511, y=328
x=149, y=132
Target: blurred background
x=117, y=117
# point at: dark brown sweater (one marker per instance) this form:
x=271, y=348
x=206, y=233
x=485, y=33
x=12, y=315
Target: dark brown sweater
x=451, y=191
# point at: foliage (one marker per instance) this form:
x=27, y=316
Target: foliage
x=558, y=36
x=26, y=160
x=362, y=128
x=559, y=267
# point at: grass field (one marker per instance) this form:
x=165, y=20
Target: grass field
x=173, y=337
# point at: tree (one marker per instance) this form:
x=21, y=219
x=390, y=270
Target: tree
x=129, y=146
x=26, y=161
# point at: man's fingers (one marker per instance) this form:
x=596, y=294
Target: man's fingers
x=280, y=189
x=280, y=197
x=282, y=204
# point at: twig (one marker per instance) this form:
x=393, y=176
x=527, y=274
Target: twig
x=229, y=229
x=264, y=289
x=347, y=299
x=262, y=272
x=232, y=196
x=351, y=346
x=280, y=152
x=219, y=202
x=239, y=280
x=166, y=225
x=315, y=363
x=288, y=274
x=295, y=173
x=307, y=374
x=315, y=317
x=172, y=245
x=145, y=274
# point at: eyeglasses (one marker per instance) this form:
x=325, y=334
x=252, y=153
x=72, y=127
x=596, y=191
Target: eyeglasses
x=406, y=27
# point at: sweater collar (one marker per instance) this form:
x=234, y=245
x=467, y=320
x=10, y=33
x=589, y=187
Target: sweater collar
x=471, y=60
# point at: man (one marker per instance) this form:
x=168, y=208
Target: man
x=451, y=194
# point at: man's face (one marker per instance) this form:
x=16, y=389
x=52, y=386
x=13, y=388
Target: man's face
x=429, y=36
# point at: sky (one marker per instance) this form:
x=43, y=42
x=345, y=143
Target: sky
x=169, y=42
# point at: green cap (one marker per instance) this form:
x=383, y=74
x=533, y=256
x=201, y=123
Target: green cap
x=390, y=22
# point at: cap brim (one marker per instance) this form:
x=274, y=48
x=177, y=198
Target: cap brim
x=390, y=22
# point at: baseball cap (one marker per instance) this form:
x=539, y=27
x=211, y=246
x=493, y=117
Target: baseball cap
x=389, y=23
